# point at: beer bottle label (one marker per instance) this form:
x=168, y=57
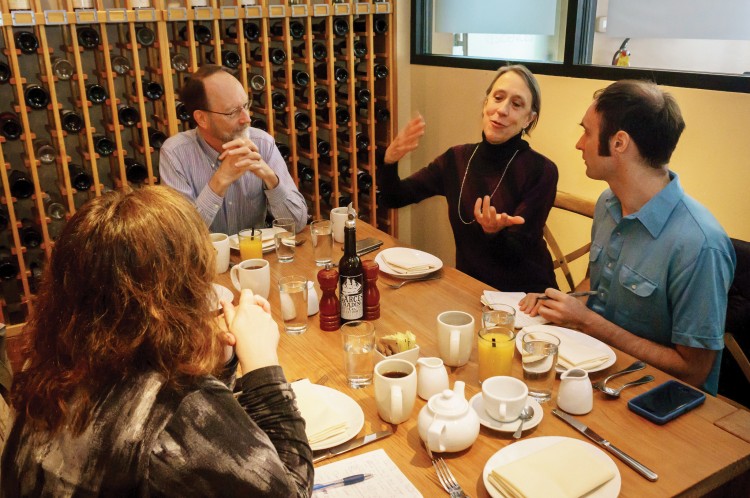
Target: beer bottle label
x=352, y=297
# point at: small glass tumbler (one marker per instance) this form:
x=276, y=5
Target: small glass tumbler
x=321, y=232
x=539, y=360
x=498, y=315
x=251, y=243
x=358, y=338
x=293, y=298
x=284, y=239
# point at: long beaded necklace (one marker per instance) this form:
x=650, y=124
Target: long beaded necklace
x=461, y=192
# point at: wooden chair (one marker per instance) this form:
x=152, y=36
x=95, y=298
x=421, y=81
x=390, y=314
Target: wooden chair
x=577, y=205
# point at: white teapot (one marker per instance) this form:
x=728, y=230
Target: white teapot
x=447, y=422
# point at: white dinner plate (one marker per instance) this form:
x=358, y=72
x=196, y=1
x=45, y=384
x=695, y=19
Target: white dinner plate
x=423, y=257
x=477, y=403
x=267, y=234
x=576, y=336
x=520, y=449
x=221, y=294
x=347, y=407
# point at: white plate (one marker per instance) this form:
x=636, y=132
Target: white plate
x=520, y=449
x=267, y=238
x=222, y=294
x=347, y=407
x=423, y=257
x=580, y=337
x=477, y=403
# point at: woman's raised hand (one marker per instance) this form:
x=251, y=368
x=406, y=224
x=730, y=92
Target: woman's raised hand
x=406, y=141
x=490, y=221
x=255, y=333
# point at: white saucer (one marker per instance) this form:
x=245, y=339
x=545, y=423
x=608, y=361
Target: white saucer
x=477, y=403
x=421, y=256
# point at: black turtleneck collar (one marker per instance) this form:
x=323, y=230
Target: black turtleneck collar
x=500, y=152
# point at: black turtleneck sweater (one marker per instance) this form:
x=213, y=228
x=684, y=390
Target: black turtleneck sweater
x=514, y=259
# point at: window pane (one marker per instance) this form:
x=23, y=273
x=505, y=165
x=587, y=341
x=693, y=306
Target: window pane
x=461, y=29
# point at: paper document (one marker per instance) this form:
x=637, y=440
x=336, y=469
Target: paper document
x=387, y=481
x=511, y=299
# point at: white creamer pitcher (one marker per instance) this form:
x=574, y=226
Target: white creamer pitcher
x=575, y=395
x=432, y=377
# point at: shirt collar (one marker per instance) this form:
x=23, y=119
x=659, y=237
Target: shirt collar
x=211, y=154
x=655, y=213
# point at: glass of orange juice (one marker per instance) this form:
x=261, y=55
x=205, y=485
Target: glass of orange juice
x=496, y=347
x=251, y=243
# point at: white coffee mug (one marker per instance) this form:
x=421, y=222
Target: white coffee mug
x=504, y=397
x=220, y=242
x=455, y=337
x=395, y=390
x=254, y=274
x=338, y=216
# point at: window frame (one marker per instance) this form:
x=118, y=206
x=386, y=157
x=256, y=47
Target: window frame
x=577, y=55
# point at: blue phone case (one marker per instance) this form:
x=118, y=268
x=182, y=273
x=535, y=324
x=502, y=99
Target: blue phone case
x=666, y=402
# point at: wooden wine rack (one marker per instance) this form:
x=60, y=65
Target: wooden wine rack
x=117, y=22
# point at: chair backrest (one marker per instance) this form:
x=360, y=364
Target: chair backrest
x=577, y=205
x=737, y=337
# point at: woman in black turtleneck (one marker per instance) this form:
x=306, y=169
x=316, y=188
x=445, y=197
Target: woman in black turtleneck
x=499, y=191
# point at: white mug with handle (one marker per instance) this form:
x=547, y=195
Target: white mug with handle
x=395, y=389
x=455, y=337
x=252, y=274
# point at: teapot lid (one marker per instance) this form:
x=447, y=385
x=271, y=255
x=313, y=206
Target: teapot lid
x=450, y=402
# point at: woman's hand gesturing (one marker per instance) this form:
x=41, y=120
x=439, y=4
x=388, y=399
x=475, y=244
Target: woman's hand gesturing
x=406, y=141
x=491, y=222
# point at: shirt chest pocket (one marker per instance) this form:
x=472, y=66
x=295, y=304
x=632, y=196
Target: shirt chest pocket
x=595, y=252
x=635, y=283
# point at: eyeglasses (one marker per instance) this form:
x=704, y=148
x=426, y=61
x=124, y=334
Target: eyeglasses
x=234, y=113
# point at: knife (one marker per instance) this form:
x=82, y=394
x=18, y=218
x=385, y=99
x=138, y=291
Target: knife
x=586, y=431
x=350, y=445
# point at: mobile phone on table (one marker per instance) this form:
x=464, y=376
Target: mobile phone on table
x=368, y=245
x=666, y=401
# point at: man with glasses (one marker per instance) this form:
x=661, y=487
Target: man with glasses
x=231, y=171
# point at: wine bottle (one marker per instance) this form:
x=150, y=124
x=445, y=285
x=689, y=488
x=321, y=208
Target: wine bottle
x=301, y=120
x=96, y=93
x=382, y=114
x=277, y=55
x=26, y=42
x=325, y=190
x=156, y=138
x=344, y=199
x=299, y=78
x=319, y=51
x=128, y=115
x=21, y=186
x=36, y=97
x=323, y=147
x=361, y=96
x=145, y=36
x=230, y=59
x=361, y=141
x=252, y=30
x=88, y=37
x=284, y=150
x=257, y=82
x=179, y=63
x=380, y=71
x=45, y=152
x=8, y=264
x=10, y=126
x=103, y=145
x=359, y=48
x=54, y=207
x=29, y=234
x=181, y=111
x=79, y=179
x=135, y=171
x=277, y=28
x=120, y=65
x=4, y=217
x=343, y=167
x=278, y=101
x=306, y=174
x=201, y=33
x=71, y=121
x=364, y=181
x=342, y=115
x=62, y=68
x=340, y=26
x=259, y=123
x=340, y=74
x=379, y=25
x=152, y=89
x=351, y=278
x=321, y=96
x=4, y=72
x=36, y=269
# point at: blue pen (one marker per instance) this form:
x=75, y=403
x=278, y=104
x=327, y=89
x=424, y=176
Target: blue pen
x=346, y=481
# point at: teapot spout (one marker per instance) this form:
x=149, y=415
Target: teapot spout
x=458, y=389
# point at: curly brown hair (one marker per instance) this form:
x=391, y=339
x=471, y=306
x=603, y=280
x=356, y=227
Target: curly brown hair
x=127, y=290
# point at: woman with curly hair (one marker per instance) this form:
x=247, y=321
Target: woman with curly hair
x=120, y=392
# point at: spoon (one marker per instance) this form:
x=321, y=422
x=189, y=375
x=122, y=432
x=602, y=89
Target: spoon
x=638, y=365
x=615, y=393
x=526, y=414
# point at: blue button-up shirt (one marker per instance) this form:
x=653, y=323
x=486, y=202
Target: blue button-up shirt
x=663, y=273
x=187, y=163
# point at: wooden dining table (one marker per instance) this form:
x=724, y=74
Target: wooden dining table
x=693, y=454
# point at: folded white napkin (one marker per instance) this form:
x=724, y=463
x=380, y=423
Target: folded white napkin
x=490, y=298
x=405, y=262
x=571, y=353
x=564, y=469
x=321, y=421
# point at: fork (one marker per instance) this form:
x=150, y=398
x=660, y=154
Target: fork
x=447, y=479
x=404, y=282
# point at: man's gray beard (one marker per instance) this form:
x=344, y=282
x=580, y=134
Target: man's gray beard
x=236, y=134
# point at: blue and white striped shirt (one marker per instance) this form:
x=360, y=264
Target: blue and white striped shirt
x=187, y=163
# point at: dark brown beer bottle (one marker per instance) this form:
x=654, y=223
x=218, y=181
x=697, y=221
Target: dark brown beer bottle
x=351, y=277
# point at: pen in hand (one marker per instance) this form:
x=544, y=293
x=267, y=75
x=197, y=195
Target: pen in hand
x=573, y=294
x=346, y=481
